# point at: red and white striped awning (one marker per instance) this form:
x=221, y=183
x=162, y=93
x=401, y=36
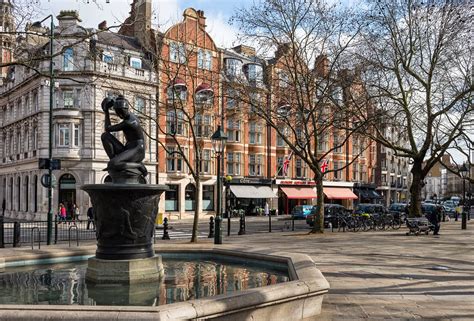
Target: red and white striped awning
x=178, y=84
x=205, y=89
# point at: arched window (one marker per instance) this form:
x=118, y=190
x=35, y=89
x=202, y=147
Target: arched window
x=190, y=197
x=18, y=194
x=35, y=191
x=68, y=59
x=67, y=192
x=27, y=190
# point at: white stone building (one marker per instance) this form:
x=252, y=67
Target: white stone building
x=89, y=64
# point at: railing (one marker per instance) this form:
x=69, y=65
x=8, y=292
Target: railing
x=69, y=234
x=33, y=229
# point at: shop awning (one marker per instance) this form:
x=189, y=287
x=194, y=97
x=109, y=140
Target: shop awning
x=334, y=193
x=299, y=192
x=250, y=191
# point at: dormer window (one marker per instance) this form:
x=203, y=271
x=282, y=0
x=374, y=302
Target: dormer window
x=135, y=63
x=254, y=73
x=68, y=59
x=177, y=90
x=108, y=57
x=233, y=67
x=204, y=93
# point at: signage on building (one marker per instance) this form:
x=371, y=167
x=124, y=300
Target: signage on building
x=251, y=181
x=295, y=182
x=43, y=163
x=46, y=180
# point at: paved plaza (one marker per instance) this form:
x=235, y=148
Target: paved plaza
x=373, y=275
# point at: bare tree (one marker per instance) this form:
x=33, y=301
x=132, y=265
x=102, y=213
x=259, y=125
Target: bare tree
x=310, y=92
x=416, y=63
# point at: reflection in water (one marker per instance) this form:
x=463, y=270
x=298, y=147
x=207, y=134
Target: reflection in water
x=184, y=280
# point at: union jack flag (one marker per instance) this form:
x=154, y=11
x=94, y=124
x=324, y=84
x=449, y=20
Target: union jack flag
x=286, y=164
x=324, y=166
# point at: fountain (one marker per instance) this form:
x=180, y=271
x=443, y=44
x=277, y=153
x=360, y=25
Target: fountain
x=124, y=210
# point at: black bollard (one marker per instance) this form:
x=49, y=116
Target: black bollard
x=16, y=234
x=2, y=240
x=56, y=230
x=211, y=227
x=242, y=225
x=166, y=236
x=292, y=222
x=228, y=222
x=269, y=222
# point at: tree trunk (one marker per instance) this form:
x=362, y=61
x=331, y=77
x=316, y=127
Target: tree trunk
x=415, y=189
x=318, y=226
x=197, y=211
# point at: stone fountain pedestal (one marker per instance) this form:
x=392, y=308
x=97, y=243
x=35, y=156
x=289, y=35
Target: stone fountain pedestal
x=124, y=216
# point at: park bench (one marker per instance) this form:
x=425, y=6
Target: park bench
x=418, y=225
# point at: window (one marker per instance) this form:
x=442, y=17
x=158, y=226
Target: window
x=255, y=102
x=68, y=98
x=63, y=135
x=174, y=93
x=322, y=143
x=233, y=67
x=77, y=134
x=337, y=143
x=337, y=173
x=206, y=161
x=204, y=59
x=35, y=101
x=171, y=198
x=254, y=73
x=355, y=172
x=107, y=57
x=280, y=141
x=280, y=160
x=27, y=105
x=255, y=133
x=203, y=125
x=190, y=197
x=174, y=123
x=68, y=59
x=300, y=168
x=283, y=79
x=34, y=138
x=255, y=165
x=135, y=63
x=139, y=104
x=18, y=142
x=233, y=130
x=231, y=99
x=177, y=52
x=234, y=163
x=208, y=197
x=174, y=160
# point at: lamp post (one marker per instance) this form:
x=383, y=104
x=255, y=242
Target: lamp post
x=218, y=143
x=50, y=144
x=463, y=172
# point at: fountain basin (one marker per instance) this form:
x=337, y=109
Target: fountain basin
x=299, y=299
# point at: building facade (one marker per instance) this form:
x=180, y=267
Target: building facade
x=89, y=65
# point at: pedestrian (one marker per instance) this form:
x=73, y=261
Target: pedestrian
x=267, y=209
x=90, y=217
x=75, y=213
x=435, y=218
x=62, y=213
x=250, y=208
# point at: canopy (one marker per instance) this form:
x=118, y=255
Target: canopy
x=250, y=191
x=205, y=89
x=334, y=193
x=178, y=84
x=299, y=192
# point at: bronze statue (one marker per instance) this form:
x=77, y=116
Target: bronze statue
x=128, y=157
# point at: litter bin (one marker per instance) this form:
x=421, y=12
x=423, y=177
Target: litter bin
x=159, y=219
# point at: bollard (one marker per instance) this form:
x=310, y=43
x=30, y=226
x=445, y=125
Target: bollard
x=2, y=239
x=16, y=234
x=292, y=222
x=56, y=230
x=228, y=222
x=269, y=222
x=166, y=236
x=242, y=225
x=211, y=227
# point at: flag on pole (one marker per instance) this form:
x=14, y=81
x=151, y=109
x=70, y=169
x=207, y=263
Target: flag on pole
x=324, y=166
x=286, y=164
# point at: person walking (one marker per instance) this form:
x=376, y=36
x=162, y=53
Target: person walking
x=90, y=217
x=267, y=209
x=62, y=213
x=435, y=218
x=75, y=213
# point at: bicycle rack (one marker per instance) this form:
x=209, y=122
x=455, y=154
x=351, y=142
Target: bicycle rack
x=69, y=234
x=33, y=229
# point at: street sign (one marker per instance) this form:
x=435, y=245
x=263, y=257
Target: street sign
x=43, y=163
x=45, y=180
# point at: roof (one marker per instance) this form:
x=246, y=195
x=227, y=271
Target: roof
x=118, y=40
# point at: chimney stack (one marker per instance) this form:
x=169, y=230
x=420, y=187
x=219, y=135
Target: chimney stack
x=201, y=19
x=102, y=25
x=321, y=66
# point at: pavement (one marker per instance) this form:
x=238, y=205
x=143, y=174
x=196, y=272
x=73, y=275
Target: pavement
x=382, y=275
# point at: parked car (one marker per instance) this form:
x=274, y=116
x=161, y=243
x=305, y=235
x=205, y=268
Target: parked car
x=330, y=211
x=450, y=211
x=370, y=209
x=301, y=211
x=398, y=210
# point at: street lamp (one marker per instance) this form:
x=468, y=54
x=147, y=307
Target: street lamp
x=50, y=145
x=463, y=171
x=218, y=143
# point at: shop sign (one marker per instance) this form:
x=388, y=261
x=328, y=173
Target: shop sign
x=295, y=182
x=252, y=181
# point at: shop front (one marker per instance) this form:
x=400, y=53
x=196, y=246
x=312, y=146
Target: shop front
x=250, y=195
x=293, y=193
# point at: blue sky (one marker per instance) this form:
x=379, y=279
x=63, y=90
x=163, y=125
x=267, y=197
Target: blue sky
x=165, y=13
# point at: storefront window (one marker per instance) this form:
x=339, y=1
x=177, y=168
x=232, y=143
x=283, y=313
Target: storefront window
x=190, y=198
x=171, y=198
x=208, y=197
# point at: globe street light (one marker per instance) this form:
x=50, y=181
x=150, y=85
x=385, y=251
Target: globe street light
x=463, y=172
x=218, y=143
